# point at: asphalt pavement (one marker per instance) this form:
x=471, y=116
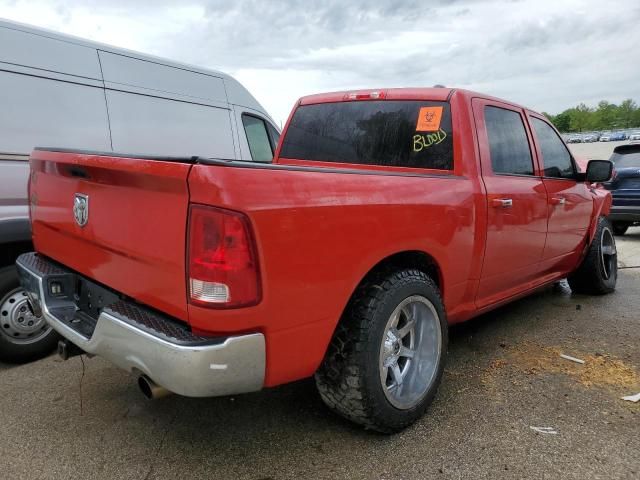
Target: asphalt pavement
x=504, y=376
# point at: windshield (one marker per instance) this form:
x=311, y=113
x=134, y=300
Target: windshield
x=391, y=133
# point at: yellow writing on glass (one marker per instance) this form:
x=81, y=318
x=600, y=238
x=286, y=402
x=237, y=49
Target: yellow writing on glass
x=420, y=142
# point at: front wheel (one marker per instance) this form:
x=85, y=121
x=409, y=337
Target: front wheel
x=23, y=336
x=598, y=272
x=385, y=361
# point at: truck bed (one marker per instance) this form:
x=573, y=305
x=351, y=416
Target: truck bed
x=308, y=223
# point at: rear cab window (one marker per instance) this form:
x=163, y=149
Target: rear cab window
x=391, y=133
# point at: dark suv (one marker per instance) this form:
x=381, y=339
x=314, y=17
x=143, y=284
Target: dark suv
x=625, y=188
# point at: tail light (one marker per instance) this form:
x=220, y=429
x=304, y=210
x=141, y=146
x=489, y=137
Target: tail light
x=222, y=262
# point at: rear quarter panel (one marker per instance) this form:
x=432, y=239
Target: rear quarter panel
x=319, y=233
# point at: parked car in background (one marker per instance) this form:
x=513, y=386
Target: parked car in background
x=625, y=187
x=58, y=90
x=384, y=217
x=634, y=136
x=617, y=136
x=574, y=139
x=605, y=137
x=590, y=138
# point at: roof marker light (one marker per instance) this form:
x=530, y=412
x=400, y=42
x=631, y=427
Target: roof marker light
x=375, y=95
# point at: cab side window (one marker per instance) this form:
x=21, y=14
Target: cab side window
x=258, y=138
x=555, y=156
x=508, y=142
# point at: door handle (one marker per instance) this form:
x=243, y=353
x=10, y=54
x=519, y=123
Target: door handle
x=557, y=201
x=502, y=202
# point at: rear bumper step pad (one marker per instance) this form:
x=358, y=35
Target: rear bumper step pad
x=138, y=339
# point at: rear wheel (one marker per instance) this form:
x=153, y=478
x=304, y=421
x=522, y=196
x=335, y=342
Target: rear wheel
x=620, y=228
x=598, y=272
x=385, y=362
x=23, y=336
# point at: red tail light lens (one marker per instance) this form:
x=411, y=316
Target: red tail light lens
x=375, y=95
x=223, y=266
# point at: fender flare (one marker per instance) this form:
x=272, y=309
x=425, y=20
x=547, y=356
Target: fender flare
x=601, y=207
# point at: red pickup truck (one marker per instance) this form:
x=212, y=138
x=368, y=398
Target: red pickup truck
x=385, y=216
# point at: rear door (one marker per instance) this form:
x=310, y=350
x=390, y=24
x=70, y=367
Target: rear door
x=570, y=202
x=517, y=202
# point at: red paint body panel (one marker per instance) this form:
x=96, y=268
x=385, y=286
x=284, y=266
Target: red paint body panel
x=568, y=223
x=570, y=209
x=318, y=234
x=318, y=231
x=134, y=240
x=516, y=235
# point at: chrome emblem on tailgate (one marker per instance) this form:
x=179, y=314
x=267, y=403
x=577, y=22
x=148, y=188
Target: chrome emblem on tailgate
x=81, y=208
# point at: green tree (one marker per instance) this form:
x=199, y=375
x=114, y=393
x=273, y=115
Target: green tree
x=626, y=113
x=636, y=118
x=605, y=115
x=562, y=121
x=581, y=117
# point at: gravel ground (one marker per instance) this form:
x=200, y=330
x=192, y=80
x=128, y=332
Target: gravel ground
x=504, y=376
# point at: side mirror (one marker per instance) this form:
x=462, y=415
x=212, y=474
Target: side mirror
x=599, y=171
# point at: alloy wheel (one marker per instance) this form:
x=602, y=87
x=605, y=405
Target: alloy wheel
x=410, y=352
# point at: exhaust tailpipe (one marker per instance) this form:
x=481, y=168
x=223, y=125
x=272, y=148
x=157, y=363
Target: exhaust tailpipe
x=151, y=389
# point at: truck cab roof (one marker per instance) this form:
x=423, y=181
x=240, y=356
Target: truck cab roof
x=439, y=94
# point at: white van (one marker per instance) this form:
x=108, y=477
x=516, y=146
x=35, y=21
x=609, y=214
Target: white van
x=61, y=91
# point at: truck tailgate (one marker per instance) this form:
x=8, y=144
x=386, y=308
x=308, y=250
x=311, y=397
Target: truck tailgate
x=133, y=240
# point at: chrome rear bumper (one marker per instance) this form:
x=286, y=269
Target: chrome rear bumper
x=142, y=341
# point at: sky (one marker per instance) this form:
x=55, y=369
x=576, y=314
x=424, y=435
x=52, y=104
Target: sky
x=547, y=54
